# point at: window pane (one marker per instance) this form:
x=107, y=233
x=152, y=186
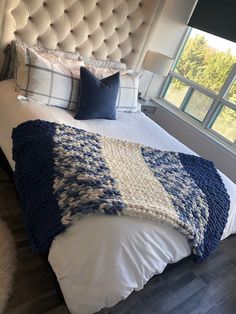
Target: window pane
x=176, y=92
x=198, y=105
x=231, y=95
x=225, y=123
x=207, y=60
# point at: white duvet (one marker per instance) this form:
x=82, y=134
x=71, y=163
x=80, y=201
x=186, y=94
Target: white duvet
x=101, y=260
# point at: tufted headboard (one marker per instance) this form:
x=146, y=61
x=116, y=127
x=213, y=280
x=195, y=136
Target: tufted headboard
x=118, y=30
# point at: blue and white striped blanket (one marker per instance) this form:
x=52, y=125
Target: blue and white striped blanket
x=63, y=173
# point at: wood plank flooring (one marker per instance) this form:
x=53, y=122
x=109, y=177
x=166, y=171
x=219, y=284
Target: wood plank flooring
x=34, y=290
x=183, y=288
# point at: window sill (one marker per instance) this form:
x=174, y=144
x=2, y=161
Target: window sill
x=195, y=126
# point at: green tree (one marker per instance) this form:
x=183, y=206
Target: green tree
x=193, y=57
x=216, y=68
x=204, y=65
x=232, y=93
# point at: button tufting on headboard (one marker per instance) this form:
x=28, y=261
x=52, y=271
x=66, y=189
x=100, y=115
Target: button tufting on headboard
x=118, y=29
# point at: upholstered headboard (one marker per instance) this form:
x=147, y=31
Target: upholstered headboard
x=118, y=30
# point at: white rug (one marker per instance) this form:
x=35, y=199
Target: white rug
x=7, y=263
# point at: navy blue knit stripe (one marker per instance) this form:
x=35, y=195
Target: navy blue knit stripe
x=207, y=178
x=33, y=153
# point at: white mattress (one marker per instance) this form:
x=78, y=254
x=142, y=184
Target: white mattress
x=101, y=260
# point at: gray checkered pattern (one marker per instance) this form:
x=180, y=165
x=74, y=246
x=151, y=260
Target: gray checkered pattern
x=127, y=99
x=52, y=83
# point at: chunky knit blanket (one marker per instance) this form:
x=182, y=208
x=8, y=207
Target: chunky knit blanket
x=63, y=173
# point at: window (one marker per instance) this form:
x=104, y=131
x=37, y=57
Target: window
x=225, y=123
x=202, y=84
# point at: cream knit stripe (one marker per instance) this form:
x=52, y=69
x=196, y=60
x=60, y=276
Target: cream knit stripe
x=142, y=193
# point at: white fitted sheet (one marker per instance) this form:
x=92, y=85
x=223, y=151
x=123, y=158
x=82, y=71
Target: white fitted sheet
x=101, y=260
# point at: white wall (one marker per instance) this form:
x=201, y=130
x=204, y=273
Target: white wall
x=168, y=36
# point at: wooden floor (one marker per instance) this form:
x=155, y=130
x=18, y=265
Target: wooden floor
x=185, y=287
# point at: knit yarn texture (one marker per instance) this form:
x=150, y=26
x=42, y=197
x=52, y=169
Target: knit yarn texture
x=63, y=173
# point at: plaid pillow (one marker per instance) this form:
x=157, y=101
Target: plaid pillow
x=127, y=99
x=50, y=80
x=18, y=52
x=11, y=62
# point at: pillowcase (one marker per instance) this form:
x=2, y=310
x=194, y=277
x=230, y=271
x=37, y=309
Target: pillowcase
x=97, y=97
x=127, y=100
x=18, y=53
x=49, y=80
x=103, y=63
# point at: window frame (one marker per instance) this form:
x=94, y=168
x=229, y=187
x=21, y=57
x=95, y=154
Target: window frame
x=219, y=99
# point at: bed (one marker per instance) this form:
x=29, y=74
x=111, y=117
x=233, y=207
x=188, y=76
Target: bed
x=127, y=252
x=99, y=260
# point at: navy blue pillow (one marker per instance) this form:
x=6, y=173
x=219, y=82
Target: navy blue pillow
x=97, y=97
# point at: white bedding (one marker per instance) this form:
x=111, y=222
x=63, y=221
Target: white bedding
x=101, y=260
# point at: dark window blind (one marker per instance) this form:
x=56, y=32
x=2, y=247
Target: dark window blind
x=217, y=17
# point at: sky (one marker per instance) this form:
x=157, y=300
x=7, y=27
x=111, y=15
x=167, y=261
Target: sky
x=216, y=42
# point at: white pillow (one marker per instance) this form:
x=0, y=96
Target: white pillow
x=127, y=99
x=48, y=79
x=103, y=63
x=18, y=52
